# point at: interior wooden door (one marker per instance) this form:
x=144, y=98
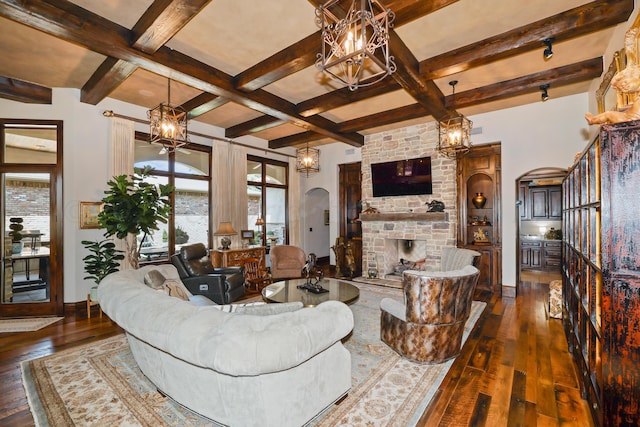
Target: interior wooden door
x=350, y=183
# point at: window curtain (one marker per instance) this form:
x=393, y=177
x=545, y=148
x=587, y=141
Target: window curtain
x=121, y=162
x=229, y=188
x=294, y=205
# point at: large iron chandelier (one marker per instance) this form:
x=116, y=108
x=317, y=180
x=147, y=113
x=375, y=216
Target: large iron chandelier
x=355, y=49
x=168, y=124
x=455, y=133
x=308, y=160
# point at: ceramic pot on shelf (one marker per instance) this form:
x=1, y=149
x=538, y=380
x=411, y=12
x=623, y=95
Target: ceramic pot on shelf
x=479, y=200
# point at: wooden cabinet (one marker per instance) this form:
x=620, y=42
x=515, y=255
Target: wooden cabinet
x=601, y=273
x=543, y=255
x=523, y=202
x=551, y=255
x=545, y=202
x=479, y=171
x=236, y=257
x=530, y=254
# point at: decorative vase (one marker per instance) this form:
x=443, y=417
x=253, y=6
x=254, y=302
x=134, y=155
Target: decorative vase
x=479, y=200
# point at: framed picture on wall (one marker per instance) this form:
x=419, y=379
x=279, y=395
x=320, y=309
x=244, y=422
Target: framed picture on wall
x=246, y=234
x=89, y=214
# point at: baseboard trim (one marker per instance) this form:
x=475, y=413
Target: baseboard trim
x=508, y=291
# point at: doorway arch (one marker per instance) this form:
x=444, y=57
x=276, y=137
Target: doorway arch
x=316, y=222
x=545, y=176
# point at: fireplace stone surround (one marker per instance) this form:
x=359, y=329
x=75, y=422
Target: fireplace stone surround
x=404, y=218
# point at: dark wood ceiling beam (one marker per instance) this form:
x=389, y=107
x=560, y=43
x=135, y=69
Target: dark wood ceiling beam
x=561, y=76
x=303, y=54
x=65, y=20
x=109, y=75
x=575, y=22
x=345, y=96
x=424, y=91
x=292, y=59
x=296, y=139
x=252, y=126
x=400, y=114
x=21, y=91
x=161, y=21
x=410, y=10
x=202, y=104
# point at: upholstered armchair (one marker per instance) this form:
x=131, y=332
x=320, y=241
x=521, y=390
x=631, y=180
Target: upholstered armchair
x=221, y=285
x=428, y=326
x=452, y=258
x=286, y=262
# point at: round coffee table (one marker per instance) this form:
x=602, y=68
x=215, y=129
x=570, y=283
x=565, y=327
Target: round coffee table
x=287, y=291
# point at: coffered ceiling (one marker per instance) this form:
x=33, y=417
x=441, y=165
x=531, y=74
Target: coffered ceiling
x=248, y=65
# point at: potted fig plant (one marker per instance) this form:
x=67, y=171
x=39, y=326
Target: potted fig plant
x=132, y=207
x=102, y=260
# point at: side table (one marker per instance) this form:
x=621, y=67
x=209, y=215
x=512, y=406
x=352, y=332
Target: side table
x=237, y=256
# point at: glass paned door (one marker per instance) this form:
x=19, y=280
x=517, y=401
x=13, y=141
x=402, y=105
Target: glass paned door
x=31, y=217
x=27, y=231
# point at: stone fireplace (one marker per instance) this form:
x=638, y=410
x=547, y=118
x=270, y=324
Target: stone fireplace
x=403, y=228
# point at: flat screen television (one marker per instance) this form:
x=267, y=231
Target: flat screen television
x=402, y=177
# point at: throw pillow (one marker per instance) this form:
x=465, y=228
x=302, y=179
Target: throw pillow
x=154, y=279
x=175, y=288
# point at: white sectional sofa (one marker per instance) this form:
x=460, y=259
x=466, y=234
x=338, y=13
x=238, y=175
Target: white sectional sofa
x=254, y=368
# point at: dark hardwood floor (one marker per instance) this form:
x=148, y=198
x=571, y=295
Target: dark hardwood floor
x=513, y=371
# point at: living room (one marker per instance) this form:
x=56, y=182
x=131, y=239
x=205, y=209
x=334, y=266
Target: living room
x=532, y=135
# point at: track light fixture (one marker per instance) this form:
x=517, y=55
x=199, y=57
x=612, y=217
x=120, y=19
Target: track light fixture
x=548, y=52
x=545, y=95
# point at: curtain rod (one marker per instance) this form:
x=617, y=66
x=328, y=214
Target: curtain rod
x=110, y=113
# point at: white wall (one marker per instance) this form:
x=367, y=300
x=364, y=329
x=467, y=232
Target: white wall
x=331, y=156
x=544, y=134
x=316, y=233
x=86, y=156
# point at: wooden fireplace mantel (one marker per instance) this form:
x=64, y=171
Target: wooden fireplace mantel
x=404, y=216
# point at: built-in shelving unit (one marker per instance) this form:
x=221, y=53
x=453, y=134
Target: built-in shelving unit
x=601, y=273
x=479, y=171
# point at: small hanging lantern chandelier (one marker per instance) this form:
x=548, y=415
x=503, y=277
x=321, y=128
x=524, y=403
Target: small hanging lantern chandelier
x=308, y=160
x=355, y=49
x=455, y=133
x=168, y=124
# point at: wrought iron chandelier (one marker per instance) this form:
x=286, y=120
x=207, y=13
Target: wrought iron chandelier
x=308, y=160
x=168, y=124
x=455, y=133
x=355, y=49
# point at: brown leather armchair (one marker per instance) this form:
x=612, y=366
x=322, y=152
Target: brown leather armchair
x=221, y=285
x=429, y=325
x=287, y=262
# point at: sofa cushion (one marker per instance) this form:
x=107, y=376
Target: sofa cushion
x=154, y=279
x=175, y=288
x=170, y=286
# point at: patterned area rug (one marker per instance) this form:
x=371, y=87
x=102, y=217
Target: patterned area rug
x=100, y=384
x=26, y=325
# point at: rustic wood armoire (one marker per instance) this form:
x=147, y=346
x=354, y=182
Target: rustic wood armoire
x=601, y=273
